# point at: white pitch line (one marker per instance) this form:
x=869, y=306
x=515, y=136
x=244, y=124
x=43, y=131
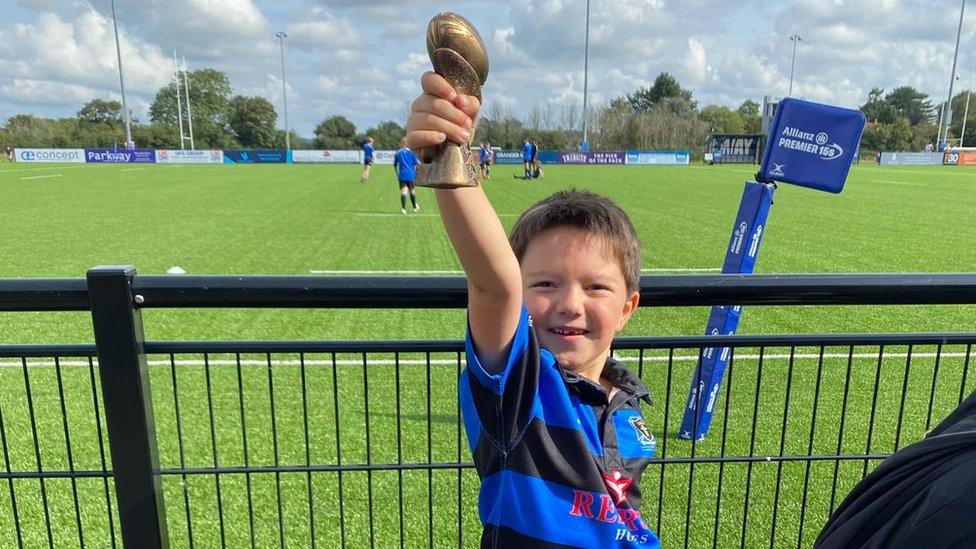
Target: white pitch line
x=43, y=169
x=133, y=169
x=413, y=215
x=444, y=362
x=41, y=176
x=449, y=272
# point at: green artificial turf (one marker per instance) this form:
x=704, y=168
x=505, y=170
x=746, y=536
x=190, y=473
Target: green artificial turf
x=61, y=220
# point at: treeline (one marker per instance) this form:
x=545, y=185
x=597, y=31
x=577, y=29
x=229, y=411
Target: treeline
x=661, y=116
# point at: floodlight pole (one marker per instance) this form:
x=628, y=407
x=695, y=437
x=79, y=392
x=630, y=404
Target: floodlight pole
x=947, y=112
x=284, y=92
x=586, y=71
x=118, y=53
x=795, y=38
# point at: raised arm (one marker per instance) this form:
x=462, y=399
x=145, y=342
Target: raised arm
x=494, y=278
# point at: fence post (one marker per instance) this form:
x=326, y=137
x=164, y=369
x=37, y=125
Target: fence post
x=124, y=377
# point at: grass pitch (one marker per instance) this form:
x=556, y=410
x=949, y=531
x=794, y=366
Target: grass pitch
x=62, y=220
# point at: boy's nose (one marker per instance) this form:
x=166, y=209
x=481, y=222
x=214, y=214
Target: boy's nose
x=571, y=303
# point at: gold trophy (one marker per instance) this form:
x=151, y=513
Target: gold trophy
x=458, y=54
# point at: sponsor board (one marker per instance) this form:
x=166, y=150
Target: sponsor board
x=50, y=155
x=811, y=145
x=383, y=157
x=508, y=157
x=326, y=157
x=120, y=156
x=897, y=158
x=966, y=158
x=658, y=157
x=256, y=156
x=593, y=158
x=166, y=156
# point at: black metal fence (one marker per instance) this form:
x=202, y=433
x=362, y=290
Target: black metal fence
x=329, y=444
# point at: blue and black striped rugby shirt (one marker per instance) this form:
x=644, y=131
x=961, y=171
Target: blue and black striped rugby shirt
x=560, y=466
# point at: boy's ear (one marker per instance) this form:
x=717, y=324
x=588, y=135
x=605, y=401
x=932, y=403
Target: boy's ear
x=629, y=307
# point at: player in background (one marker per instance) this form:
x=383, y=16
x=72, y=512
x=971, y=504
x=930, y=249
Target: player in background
x=367, y=159
x=527, y=158
x=405, y=165
x=484, y=159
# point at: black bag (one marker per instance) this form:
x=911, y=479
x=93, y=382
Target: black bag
x=922, y=496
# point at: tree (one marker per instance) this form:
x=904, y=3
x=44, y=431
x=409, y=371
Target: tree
x=722, y=120
x=911, y=104
x=98, y=111
x=252, y=120
x=335, y=132
x=387, y=135
x=751, y=120
x=210, y=93
x=665, y=85
x=878, y=109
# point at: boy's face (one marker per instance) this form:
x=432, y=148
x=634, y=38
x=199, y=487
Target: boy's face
x=577, y=296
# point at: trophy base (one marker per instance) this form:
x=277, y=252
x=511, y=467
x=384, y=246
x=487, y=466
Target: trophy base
x=449, y=167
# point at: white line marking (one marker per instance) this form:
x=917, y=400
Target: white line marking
x=414, y=215
x=449, y=272
x=445, y=362
x=43, y=169
x=41, y=176
x=133, y=169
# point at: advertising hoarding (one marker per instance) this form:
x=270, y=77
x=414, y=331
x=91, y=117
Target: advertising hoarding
x=593, y=158
x=326, y=157
x=911, y=158
x=120, y=156
x=165, y=156
x=658, y=157
x=75, y=156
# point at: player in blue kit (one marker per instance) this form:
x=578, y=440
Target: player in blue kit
x=367, y=159
x=527, y=158
x=553, y=422
x=405, y=165
x=484, y=159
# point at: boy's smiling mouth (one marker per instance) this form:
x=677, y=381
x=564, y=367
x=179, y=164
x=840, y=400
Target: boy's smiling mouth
x=568, y=331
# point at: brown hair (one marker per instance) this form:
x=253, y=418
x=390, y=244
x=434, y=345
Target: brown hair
x=588, y=212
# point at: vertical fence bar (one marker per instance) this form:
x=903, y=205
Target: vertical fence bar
x=101, y=449
x=840, y=431
x=128, y=406
x=67, y=446
x=37, y=451
x=10, y=480
x=184, y=486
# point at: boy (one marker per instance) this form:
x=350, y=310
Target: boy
x=367, y=159
x=553, y=422
x=405, y=166
x=527, y=158
x=484, y=158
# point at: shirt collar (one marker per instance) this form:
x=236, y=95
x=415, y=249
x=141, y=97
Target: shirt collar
x=615, y=372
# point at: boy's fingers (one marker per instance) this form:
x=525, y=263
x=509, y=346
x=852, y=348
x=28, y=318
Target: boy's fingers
x=434, y=84
x=469, y=105
x=442, y=108
x=427, y=122
x=421, y=139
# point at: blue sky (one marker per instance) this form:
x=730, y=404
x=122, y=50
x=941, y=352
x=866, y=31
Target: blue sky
x=362, y=58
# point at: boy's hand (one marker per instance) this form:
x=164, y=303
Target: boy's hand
x=440, y=113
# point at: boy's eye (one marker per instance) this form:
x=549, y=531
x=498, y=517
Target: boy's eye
x=542, y=284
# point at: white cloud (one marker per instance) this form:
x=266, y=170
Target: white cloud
x=363, y=58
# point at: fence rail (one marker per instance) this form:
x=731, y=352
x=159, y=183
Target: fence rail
x=356, y=443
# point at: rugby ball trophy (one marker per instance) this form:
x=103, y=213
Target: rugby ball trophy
x=458, y=54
